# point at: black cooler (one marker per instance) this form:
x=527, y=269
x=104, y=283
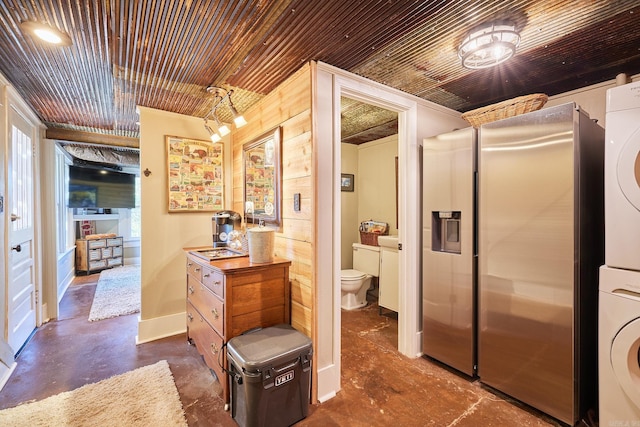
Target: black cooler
x=270, y=376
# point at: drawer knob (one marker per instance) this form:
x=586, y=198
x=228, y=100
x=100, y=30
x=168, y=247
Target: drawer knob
x=191, y=290
x=189, y=264
x=217, y=283
x=190, y=317
x=207, y=275
x=215, y=313
x=197, y=269
x=214, y=348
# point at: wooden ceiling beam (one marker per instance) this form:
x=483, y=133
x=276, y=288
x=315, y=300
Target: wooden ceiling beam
x=92, y=138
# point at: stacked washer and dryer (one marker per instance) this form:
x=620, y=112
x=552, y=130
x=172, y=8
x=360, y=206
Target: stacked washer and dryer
x=619, y=303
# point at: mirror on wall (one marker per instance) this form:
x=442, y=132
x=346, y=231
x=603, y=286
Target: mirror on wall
x=262, y=172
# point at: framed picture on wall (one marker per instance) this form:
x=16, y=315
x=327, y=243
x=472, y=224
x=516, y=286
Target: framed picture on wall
x=195, y=175
x=262, y=169
x=346, y=182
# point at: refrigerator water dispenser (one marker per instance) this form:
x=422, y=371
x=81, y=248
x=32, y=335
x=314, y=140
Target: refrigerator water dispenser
x=446, y=231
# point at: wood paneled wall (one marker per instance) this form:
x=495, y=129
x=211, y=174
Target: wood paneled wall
x=288, y=106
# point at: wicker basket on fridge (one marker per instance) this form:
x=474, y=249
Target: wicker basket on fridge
x=502, y=110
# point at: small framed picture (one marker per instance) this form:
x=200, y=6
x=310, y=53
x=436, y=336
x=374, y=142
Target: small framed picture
x=346, y=183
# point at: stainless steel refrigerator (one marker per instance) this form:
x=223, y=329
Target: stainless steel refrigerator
x=540, y=246
x=449, y=249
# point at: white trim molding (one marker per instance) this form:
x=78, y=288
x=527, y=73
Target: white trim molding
x=161, y=327
x=332, y=84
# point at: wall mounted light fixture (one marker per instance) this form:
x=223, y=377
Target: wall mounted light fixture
x=215, y=137
x=489, y=45
x=221, y=95
x=46, y=33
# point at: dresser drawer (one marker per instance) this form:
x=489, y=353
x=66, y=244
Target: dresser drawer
x=94, y=244
x=116, y=241
x=97, y=264
x=112, y=262
x=194, y=269
x=106, y=253
x=207, y=304
x=116, y=251
x=208, y=342
x=214, y=280
x=95, y=254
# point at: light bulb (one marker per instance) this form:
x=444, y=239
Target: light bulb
x=46, y=33
x=224, y=130
x=47, y=36
x=239, y=121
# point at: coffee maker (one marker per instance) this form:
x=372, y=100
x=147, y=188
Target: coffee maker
x=222, y=223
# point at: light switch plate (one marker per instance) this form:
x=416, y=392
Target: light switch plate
x=296, y=202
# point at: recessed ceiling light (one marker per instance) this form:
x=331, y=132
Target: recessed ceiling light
x=46, y=33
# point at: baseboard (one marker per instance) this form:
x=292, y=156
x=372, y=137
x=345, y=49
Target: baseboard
x=418, y=344
x=327, y=385
x=161, y=327
x=45, y=314
x=66, y=283
x=131, y=261
x=5, y=373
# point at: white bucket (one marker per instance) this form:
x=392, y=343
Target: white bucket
x=261, y=244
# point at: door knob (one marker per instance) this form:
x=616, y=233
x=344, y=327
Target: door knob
x=14, y=217
x=16, y=248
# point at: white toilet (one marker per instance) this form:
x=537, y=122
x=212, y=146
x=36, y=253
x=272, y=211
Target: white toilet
x=356, y=282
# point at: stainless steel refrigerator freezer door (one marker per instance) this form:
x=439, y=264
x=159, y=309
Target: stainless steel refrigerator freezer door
x=526, y=258
x=448, y=285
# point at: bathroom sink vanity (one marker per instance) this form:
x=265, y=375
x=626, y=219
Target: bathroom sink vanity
x=227, y=296
x=388, y=280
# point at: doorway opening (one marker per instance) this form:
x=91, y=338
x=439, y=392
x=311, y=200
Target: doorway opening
x=332, y=85
x=369, y=153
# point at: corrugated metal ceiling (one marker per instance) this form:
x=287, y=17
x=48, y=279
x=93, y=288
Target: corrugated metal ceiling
x=164, y=54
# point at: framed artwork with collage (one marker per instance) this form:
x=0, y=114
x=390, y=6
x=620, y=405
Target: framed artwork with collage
x=195, y=174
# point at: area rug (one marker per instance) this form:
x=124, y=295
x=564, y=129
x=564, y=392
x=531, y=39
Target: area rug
x=143, y=397
x=117, y=293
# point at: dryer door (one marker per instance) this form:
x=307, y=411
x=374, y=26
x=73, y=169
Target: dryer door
x=625, y=351
x=628, y=169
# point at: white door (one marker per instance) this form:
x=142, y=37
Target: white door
x=21, y=295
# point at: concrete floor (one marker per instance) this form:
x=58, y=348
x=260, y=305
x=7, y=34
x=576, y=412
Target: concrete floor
x=380, y=387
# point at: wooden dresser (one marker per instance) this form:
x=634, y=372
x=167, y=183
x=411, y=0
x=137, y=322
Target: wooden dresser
x=228, y=297
x=98, y=254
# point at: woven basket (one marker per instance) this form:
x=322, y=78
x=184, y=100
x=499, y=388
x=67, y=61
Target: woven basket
x=504, y=109
x=371, y=239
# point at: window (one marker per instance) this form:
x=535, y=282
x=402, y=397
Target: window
x=130, y=218
x=65, y=232
x=135, y=212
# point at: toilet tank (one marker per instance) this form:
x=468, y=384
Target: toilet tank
x=366, y=259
